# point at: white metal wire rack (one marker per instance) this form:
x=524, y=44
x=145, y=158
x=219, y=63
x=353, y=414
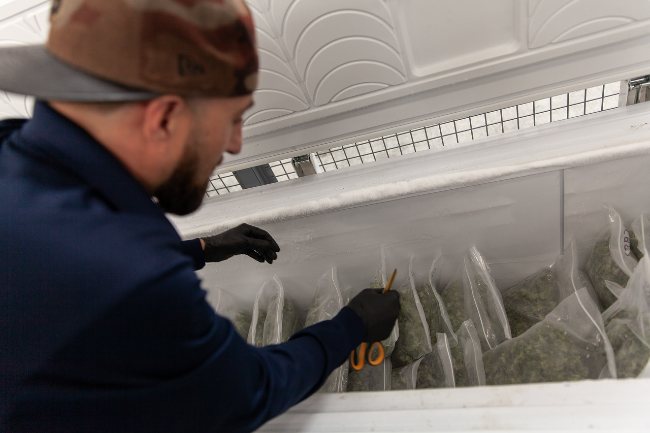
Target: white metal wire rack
x=222, y=184
x=283, y=170
x=440, y=136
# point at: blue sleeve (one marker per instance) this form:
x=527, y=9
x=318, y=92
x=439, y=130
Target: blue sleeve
x=161, y=359
x=272, y=379
x=194, y=250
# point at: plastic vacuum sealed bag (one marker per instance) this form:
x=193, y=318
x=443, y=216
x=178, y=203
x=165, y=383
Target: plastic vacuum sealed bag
x=256, y=329
x=405, y=377
x=275, y=318
x=466, y=356
x=474, y=295
x=611, y=261
x=414, y=340
x=640, y=236
x=242, y=323
x=436, y=369
x=434, y=308
x=371, y=378
x=224, y=304
x=453, y=298
x=530, y=300
x=627, y=323
x=569, y=344
x=328, y=301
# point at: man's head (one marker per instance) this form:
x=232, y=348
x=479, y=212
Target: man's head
x=170, y=144
x=163, y=84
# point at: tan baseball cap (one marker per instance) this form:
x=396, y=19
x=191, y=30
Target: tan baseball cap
x=128, y=50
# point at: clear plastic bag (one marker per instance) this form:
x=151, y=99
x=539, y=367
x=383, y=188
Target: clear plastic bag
x=405, y=377
x=453, y=298
x=256, y=330
x=328, y=301
x=224, y=304
x=242, y=323
x=569, y=344
x=466, y=356
x=371, y=378
x=640, y=236
x=611, y=262
x=389, y=343
x=474, y=295
x=433, y=306
x=414, y=340
x=530, y=300
x=275, y=318
x=628, y=323
x=436, y=369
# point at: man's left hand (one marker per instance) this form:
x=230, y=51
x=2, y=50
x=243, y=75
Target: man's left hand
x=244, y=239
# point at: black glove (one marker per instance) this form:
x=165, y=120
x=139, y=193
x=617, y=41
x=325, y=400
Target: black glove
x=244, y=239
x=378, y=311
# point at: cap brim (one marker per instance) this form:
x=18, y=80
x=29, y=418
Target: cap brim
x=31, y=70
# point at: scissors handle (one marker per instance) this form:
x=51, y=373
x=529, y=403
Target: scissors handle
x=358, y=358
x=379, y=349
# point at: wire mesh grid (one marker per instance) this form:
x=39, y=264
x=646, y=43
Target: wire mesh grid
x=439, y=136
x=501, y=121
x=283, y=170
x=222, y=184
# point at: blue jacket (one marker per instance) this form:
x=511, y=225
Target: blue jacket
x=104, y=326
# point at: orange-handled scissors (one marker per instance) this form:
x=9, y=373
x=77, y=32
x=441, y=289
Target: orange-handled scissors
x=358, y=359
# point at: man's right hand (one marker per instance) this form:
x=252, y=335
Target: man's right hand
x=378, y=311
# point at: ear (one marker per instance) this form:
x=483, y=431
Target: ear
x=167, y=120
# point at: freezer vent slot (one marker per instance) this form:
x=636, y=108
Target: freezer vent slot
x=442, y=136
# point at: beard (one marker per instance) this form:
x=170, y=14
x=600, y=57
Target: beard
x=180, y=194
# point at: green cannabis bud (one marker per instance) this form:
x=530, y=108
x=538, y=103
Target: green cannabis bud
x=530, y=300
x=432, y=311
x=453, y=297
x=242, y=324
x=545, y=353
x=631, y=352
x=413, y=342
x=600, y=268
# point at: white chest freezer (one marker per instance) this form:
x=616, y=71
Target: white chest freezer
x=338, y=72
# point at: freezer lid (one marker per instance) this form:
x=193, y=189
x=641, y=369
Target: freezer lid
x=335, y=72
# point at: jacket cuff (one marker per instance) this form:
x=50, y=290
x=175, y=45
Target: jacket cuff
x=193, y=249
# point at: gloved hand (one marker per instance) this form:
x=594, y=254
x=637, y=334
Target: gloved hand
x=244, y=239
x=378, y=311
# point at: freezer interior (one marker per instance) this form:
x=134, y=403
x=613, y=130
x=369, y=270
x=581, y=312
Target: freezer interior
x=520, y=200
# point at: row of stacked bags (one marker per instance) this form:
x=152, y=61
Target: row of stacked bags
x=562, y=323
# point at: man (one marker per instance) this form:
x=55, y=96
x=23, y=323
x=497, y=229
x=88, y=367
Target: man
x=103, y=324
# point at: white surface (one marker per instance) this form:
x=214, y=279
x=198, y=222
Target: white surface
x=443, y=35
x=604, y=406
